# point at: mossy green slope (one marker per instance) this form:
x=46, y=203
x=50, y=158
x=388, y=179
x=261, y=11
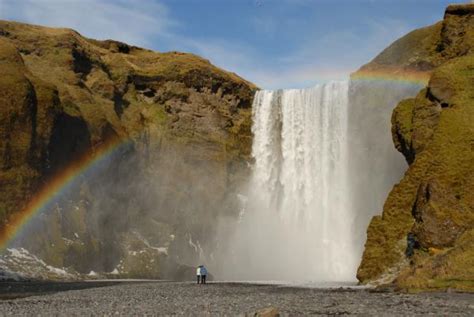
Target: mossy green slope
x=434, y=199
x=28, y=108
x=62, y=95
x=115, y=89
x=426, y=48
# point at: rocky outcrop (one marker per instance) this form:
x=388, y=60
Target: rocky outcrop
x=433, y=204
x=424, y=49
x=188, y=126
x=29, y=106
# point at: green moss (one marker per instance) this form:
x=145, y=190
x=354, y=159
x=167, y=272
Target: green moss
x=404, y=115
x=417, y=47
x=160, y=117
x=424, y=49
x=3, y=212
x=450, y=268
x=158, y=100
x=457, y=76
x=441, y=132
x=402, y=127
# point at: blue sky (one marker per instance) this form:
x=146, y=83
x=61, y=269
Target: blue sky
x=274, y=43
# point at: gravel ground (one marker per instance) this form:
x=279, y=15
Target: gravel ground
x=157, y=298
x=12, y=289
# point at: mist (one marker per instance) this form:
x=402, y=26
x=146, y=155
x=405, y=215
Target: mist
x=324, y=164
x=149, y=210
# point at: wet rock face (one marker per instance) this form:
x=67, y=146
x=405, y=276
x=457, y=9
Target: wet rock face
x=432, y=227
x=70, y=138
x=28, y=109
x=188, y=126
x=433, y=202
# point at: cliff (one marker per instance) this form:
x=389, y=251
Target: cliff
x=424, y=238
x=63, y=95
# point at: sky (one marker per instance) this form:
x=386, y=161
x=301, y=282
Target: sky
x=273, y=43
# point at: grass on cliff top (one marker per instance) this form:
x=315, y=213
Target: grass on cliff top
x=48, y=54
x=459, y=74
x=417, y=47
x=172, y=64
x=55, y=44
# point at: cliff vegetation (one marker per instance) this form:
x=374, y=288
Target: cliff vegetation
x=424, y=238
x=188, y=122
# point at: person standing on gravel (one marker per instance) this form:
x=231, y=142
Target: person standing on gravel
x=203, y=274
x=198, y=274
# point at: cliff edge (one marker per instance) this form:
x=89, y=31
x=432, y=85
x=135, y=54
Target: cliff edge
x=187, y=126
x=424, y=238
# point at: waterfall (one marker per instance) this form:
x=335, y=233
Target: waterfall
x=324, y=163
x=297, y=220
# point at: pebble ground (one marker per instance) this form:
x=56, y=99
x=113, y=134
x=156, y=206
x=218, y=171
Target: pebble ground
x=173, y=298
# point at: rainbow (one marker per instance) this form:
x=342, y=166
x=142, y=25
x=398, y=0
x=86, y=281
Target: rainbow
x=56, y=186
x=393, y=74
x=62, y=180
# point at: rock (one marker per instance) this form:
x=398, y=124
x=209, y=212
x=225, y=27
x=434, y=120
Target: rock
x=182, y=123
x=433, y=201
x=402, y=129
x=267, y=312
x=460, y=9
x=457, y=36
x=419, y=52
x=29, y=107
x=221, y=299
x=433, y=227
x=440, y=90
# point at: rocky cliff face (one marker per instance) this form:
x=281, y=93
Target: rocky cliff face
x=63, y=95
x=425, y=236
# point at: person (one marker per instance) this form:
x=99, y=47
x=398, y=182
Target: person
x=203, y=274
x=412, y=244
x=198, y=274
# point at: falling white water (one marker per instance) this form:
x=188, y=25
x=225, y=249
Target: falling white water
x=297, y=221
